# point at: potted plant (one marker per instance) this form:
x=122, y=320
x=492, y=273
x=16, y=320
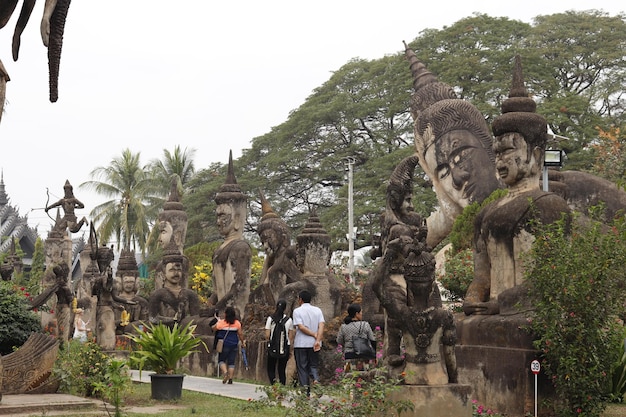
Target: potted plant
x=160, y=348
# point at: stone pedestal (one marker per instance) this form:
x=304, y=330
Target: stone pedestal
x=436, y=400
x=493, y=356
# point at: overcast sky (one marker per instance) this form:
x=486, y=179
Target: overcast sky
x=151, y=74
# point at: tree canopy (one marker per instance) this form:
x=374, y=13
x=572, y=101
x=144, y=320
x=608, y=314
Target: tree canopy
x=573, y=66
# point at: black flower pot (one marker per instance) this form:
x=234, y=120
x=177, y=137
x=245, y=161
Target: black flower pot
x=166, y=387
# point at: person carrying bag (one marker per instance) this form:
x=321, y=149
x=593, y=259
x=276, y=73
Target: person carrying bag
x=356, y=339
x=229, y=334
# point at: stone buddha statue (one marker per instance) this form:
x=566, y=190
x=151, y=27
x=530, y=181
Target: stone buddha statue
x=454, y=147
x=127, y=277
x=505, y=227
x=172, y=303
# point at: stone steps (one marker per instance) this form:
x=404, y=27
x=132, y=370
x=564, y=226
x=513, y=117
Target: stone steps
x=46, y=404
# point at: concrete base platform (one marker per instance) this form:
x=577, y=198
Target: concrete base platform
x=45, y=404
x=436, y=400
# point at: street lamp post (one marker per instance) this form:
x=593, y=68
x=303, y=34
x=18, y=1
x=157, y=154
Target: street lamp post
x=350, y=236
x=551, y=158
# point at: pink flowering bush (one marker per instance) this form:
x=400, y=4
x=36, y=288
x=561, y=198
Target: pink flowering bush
x=480, y=410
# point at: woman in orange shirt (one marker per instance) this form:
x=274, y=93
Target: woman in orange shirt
x=229, y=330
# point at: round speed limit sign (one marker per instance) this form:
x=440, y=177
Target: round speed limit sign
x=535, y=367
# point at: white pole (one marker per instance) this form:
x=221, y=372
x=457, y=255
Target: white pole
x=350, y=221
x=535, y=395
x=545, y=179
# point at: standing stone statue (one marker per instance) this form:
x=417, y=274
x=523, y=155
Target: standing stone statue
x=428, y=330
x=100, y=274
x=406, y=229
x=280, y=267
x=61, y=289
x=69, y=203
x=505, y=227
x=454, y=147
x=173, y=303
x=232, y=261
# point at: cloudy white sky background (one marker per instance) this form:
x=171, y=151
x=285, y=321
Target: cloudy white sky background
x=151, y=74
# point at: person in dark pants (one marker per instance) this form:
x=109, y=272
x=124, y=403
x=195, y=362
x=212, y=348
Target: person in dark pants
x=280, y=364
x=309, y=323
x=228, y=329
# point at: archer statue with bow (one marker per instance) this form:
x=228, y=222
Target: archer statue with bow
x=69, y=203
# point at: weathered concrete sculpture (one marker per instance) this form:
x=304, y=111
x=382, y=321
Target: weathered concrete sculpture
x=61, y=289
x=232, y=260
x=6, y=270
x=280, y=267
x=100, y=274
x=172, y=303
x=127, y=275
x=313, y=257
x=416, y=317
x=424, y=324
x=4, y=79
x=52, y=28
x=28, y=369
x=406, y=229
x=173, y=219
x=454, y=147
x=504, y=228
x=172, y=227
x=69, y=203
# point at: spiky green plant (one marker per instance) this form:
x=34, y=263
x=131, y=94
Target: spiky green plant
x=160, y=347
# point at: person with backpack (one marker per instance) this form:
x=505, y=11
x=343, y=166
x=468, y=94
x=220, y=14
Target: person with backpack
x=354, y=327
x=280, y=332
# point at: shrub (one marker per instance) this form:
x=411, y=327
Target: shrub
x=115, y=382
x=17, y=321
x=355, y=394
x=577, y=291
x=81, y=367
x=458, y=273
x=618, y=390
x=160, y=347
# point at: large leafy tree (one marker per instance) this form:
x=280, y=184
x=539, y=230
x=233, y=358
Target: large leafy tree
x=135, y=199
x=474, y=57
x=578, y=70
x=362, y=112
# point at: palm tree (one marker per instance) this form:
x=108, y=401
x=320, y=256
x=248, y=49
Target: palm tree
x=178, y=163
x=135, y=201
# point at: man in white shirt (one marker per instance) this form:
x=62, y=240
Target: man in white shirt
x=309, y=323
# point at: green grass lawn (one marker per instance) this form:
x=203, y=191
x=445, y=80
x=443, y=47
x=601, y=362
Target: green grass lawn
x=137, y=403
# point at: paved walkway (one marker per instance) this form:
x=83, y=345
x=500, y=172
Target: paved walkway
x=240, y=390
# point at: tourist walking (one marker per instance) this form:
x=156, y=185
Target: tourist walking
x=309, y=323
x=354, y=327
x=279, y=332
x=228, y=331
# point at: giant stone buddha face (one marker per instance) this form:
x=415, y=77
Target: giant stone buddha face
x=461, y=167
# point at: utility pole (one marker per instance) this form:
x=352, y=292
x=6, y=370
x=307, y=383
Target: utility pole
x=350, y=163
